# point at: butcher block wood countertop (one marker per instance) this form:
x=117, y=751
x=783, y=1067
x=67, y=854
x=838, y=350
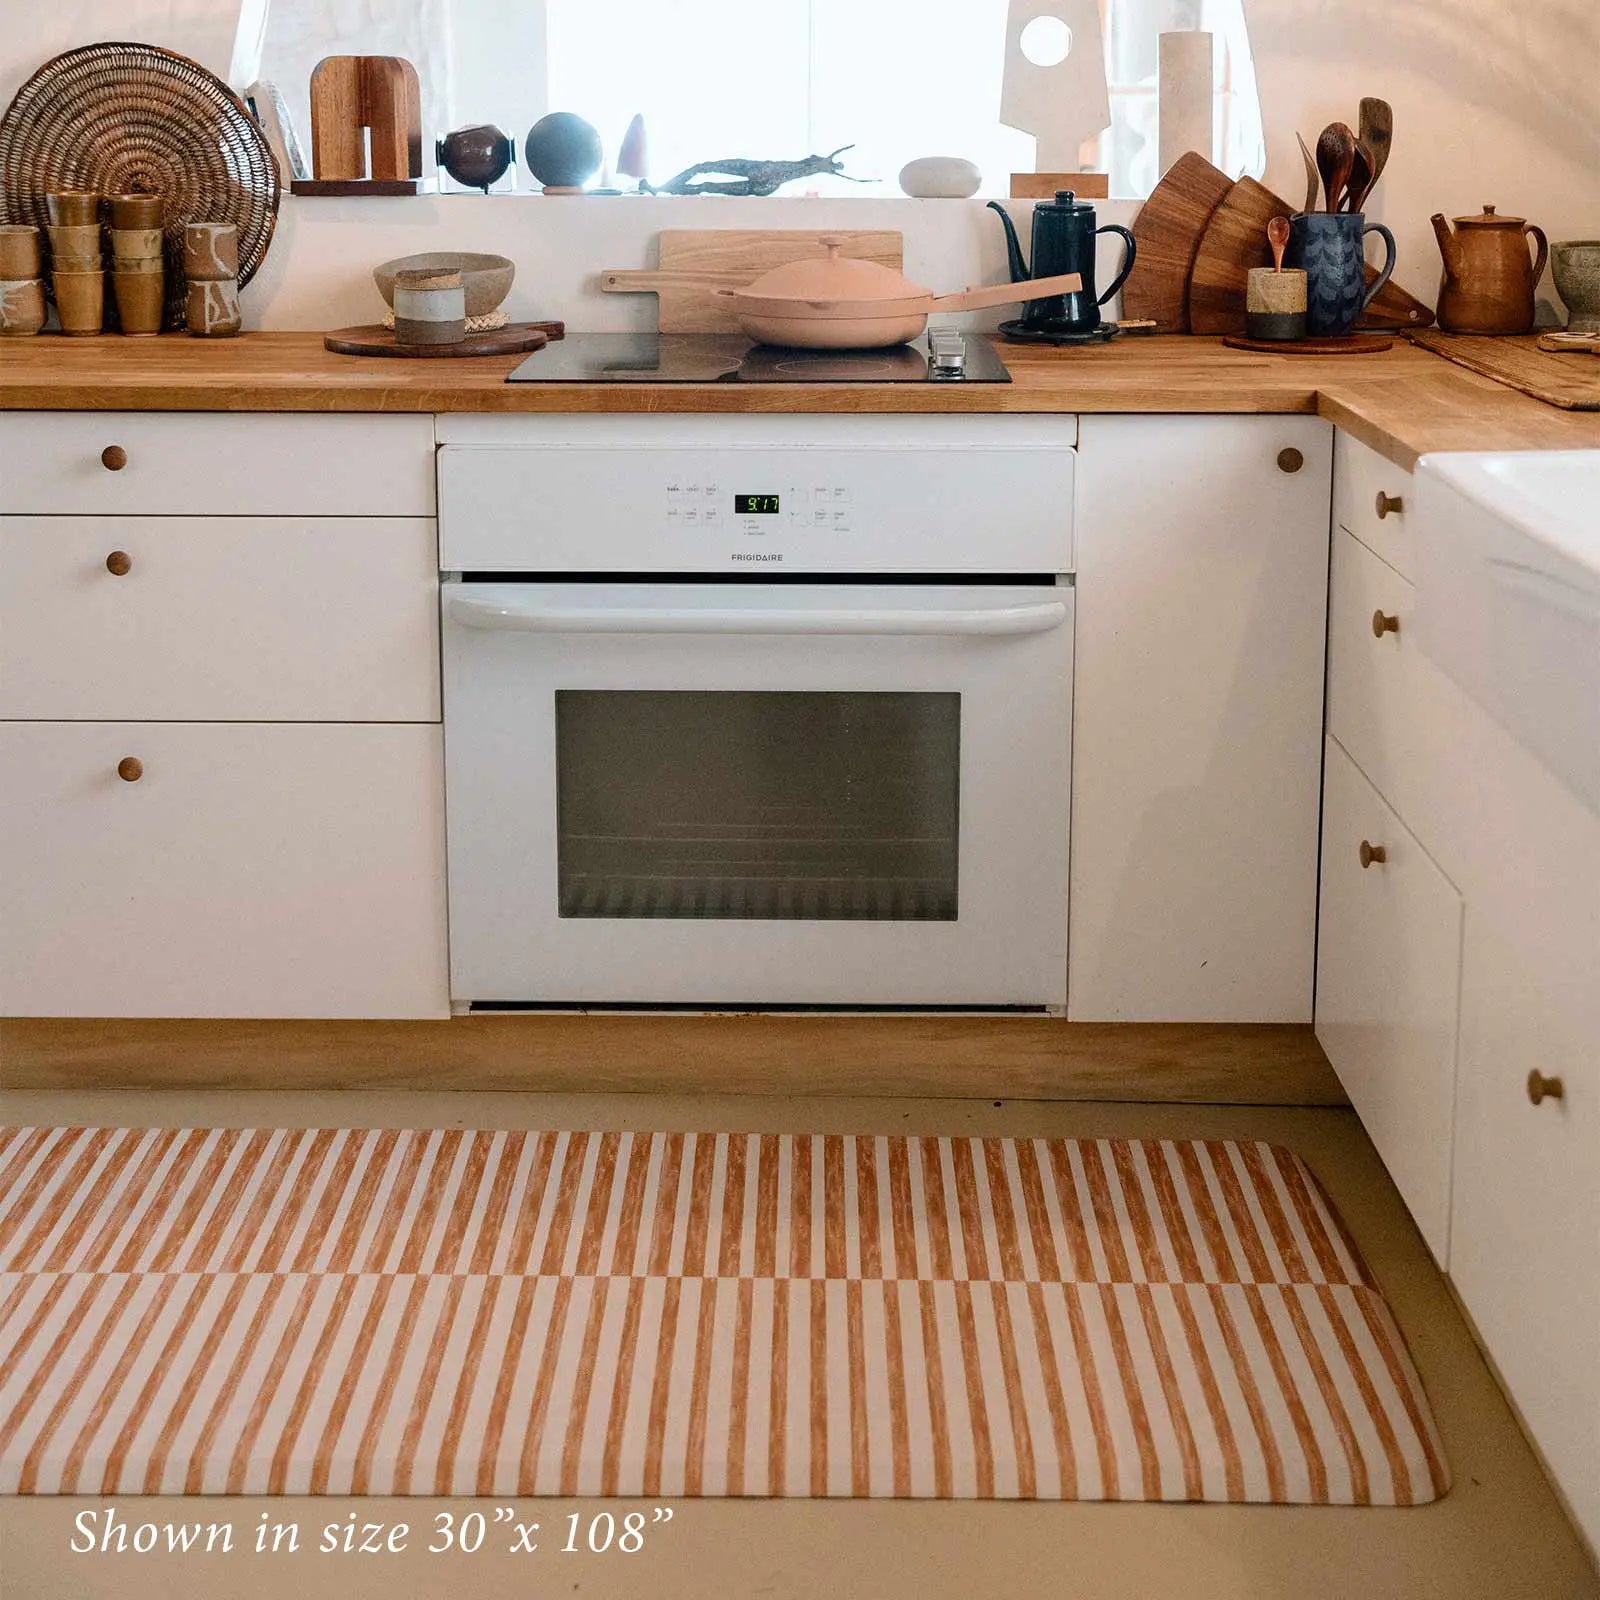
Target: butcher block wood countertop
x=1403, y=403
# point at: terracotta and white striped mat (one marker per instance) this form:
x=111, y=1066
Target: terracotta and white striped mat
x=363, y=1311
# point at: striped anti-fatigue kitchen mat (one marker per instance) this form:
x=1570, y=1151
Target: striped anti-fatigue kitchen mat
x=373, y=1311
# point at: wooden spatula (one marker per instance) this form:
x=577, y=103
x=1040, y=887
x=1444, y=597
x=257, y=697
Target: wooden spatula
x=1377, y=132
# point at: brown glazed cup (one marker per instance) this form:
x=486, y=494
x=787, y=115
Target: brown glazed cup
x=212, y=311
x=73, y=208
x=140, y=296
x=75, y=241
x=210, y=252
x=19, y=252
x=135, y=244
x=80, y=300
x=150, y=265
x=134, y=210
x=21, y=307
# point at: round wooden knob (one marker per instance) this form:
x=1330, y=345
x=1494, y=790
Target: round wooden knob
x=130, y=769
x=113, y=458
x=119, y=563
x=1541, y=1088
x=1290, y=460
x=1382, y=624
x=1371, y=853
x=1389, y=503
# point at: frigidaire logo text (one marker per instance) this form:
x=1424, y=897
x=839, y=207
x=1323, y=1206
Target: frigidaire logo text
x=757, y=555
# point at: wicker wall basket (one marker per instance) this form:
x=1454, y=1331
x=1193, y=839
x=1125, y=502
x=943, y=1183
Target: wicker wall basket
x=136, y=119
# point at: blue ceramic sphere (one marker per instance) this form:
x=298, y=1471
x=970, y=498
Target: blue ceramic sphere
x=563, y=151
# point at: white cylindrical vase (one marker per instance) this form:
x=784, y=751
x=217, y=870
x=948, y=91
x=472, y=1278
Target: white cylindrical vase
x=1184, y=104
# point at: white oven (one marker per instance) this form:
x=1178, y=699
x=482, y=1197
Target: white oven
x=670, y=782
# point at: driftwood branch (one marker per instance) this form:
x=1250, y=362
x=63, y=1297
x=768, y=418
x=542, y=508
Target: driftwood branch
x=745, y=177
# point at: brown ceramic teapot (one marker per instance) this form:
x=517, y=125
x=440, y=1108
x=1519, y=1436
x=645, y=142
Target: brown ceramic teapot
x=1488, y=279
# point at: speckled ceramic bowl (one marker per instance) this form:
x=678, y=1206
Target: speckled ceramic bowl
x=486, y=279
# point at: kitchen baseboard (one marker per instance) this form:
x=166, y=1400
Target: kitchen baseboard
x=1020, y=1058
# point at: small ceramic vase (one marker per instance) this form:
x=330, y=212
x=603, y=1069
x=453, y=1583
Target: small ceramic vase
x=210, y=252
x=430, y=307
x=72, y=208
x=1328, y=246
x=212, y=309
x=140, y=297
x=1576, y=265
x=1275, y=304
x=80, y=300
x=134, y=210
x=21, y=307
x=19, y=252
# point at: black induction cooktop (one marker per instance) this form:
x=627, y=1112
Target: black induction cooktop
x=732, y=358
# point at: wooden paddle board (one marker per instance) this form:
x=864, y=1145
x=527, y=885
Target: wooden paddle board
x=1167, y=232
x=696, y=262
x=1235, y=240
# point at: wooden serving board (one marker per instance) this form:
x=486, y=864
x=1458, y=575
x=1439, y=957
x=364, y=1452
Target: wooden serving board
x=516, y=338
x=696, y=262
x=1167, y=232
x=1235, y=240
x=1519, y=363
x=1352, y=344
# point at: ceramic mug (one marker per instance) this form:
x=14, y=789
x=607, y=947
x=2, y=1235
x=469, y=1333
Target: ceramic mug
x=19, y=252
x=21, y=307
x=212, y=309
x=1328, y=245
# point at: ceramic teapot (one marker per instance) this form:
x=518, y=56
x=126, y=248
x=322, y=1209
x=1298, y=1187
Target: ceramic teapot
x=1063, y=241
x=1488, y=279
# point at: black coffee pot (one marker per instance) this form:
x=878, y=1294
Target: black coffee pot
x=1063, y=241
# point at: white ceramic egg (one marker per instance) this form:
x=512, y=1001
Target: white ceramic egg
x=940, y=178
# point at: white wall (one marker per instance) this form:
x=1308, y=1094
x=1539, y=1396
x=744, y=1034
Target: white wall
x=1495, y=100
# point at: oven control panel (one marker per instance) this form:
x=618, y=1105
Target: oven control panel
x=988, y=494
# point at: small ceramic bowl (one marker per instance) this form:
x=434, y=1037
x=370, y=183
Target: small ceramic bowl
x=486, y=279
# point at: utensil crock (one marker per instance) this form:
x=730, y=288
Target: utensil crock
x=1328, y=246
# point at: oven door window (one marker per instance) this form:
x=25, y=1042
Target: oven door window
x=812, y=807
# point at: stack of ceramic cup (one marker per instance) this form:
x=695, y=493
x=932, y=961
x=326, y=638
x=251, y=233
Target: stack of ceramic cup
x=21, y=287
x=77, y=273
x=211, y=263
x=137, y=272
x=430, y=306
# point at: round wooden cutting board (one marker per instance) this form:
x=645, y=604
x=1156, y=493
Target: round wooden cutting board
x=516, y=338
x=1352, y=344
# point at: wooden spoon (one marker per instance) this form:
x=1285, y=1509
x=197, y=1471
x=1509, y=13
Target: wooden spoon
x=1360, y=177
x=1312, y=180
x=1377, y=129
x=1336, y=153
x=1278, y=238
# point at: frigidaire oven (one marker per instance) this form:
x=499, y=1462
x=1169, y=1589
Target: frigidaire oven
x=758, y=710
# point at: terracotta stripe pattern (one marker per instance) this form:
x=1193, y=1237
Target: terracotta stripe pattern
x=440, y=1312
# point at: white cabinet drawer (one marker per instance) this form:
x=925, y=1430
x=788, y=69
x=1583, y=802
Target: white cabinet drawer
x=325, y=619
x=251, y=871
x=1360, y=477
x=199, y=463
x=1372, y=669
x=1388, y=979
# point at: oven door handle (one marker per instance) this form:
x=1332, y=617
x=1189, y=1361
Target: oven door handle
x=533, y=617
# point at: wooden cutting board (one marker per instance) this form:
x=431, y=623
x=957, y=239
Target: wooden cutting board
x=1235, y=240
x=1167, y=232
x=696, y=262
x=1519, y=363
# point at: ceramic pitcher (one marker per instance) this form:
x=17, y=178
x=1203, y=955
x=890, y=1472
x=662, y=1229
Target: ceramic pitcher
x=1328, y=245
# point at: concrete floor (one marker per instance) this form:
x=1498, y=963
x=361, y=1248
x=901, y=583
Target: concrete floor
x=1499, y=1534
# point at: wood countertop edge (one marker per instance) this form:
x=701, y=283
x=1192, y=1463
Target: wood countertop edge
x=1402, y=404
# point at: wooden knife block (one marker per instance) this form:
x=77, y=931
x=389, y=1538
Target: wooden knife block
x=353, y=96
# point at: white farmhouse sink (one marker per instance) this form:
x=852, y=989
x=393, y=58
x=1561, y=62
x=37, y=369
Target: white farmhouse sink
x=1508, y=595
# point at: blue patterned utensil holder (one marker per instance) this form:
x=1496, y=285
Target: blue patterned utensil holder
x=1328, y=245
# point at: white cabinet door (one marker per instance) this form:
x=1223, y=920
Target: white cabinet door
x=219, y=619
x=1202, y=599
x=1525, y=1238
x=246, y=870
x=1388, y=966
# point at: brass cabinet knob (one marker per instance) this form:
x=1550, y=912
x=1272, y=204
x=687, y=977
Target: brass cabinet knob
x=1388, y=503
x=119, y=563
x=130, y=769
x=113, y=458
x=1290, y=460
x=1541, y=1088
x=1372, y=853
x=1383, y=623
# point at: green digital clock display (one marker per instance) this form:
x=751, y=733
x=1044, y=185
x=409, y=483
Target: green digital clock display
x=755, y=505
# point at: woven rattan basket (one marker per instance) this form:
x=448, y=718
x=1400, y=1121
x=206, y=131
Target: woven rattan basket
x=131, y=119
